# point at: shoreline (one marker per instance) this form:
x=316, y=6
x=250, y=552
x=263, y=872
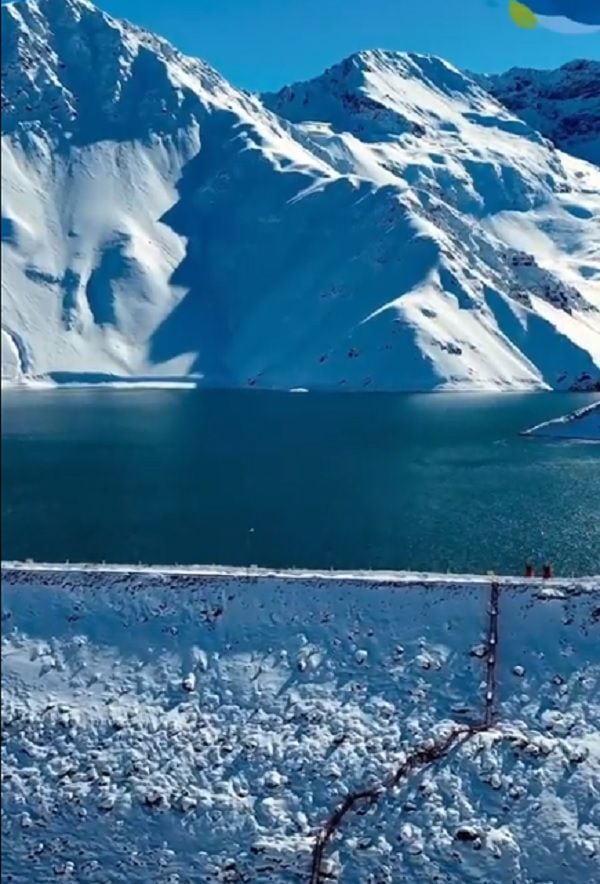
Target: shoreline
x=250, y=573
x=108, y=381
x=191, y=384
x=568, y=427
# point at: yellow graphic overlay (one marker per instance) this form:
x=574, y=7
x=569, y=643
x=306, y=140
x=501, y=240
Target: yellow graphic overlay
x=522, y=15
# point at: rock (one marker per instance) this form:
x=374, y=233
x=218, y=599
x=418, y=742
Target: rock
x=273, y=779
x=189, y=682
x=106, y=802
x=588, y=847
x=153, y=798
x=519, y=671
x=329, y=868
x=576, y=754
x=187, y=803
x=467, y=833
x=201, y=659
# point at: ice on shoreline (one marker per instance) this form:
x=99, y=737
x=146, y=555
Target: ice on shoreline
x=581, y=424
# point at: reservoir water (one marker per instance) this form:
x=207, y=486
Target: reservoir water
x=436, y=482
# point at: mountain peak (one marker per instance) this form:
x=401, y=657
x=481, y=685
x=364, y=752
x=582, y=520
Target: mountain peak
x=563, y=104
x=360, y=69
x=73, y=70
x=402, y=60
x=381, y=94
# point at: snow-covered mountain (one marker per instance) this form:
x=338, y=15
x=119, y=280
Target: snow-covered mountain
x=388, y=225
x=563, y=104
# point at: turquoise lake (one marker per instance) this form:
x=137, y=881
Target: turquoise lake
x=436, y=482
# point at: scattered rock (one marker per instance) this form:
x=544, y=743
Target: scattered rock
x=201, y=659
x=273, y=779
x=189, y=683
x=106, y=802
x=576, y=754
x=467, y=833
x=187, y=803
x=153, y=798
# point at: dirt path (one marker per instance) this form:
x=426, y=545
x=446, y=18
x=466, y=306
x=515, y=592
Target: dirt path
x=421, y=758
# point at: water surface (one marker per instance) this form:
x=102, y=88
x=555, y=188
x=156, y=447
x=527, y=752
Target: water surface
x=436, y=482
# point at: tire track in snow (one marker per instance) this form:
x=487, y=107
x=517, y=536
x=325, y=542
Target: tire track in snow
x=423, y=757
x=419, y=759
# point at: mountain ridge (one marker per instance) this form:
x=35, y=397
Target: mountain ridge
x=160, y=223
x=564, y=104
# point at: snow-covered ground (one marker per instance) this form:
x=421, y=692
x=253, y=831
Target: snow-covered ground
x=581, y=424
x=388, y=225
x=205, y=726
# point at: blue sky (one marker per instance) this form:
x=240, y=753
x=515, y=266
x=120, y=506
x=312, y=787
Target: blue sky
x=263, y=44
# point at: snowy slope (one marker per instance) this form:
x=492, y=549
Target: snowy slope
x=581, y=424
x=563, y=104
x=186, y=728
x=388, y=225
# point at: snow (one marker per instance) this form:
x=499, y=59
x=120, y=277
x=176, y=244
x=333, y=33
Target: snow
x=205, y=725
x=159, y=224
x=581, y=424
x=92, y=379
x=563, y=104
